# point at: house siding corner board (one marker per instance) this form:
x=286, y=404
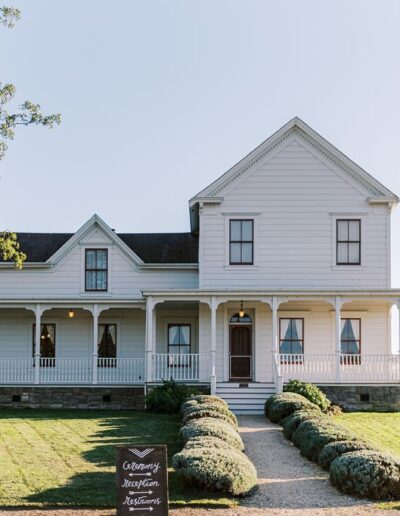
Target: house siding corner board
x=293, y=198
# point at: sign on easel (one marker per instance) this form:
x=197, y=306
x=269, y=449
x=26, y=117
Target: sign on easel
x=142, y=481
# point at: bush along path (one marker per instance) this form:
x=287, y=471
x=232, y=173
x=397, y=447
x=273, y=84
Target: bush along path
x=212, y=457
x=354, y=468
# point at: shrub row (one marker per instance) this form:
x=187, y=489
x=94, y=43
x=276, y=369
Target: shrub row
x=354, y=467
x=213, y=457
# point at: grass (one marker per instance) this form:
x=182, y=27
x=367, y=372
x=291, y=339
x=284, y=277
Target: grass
x=382, y=430
x=67, y=458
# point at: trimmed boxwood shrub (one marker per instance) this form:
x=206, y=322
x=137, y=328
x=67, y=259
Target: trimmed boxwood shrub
x=215, y=414
x=212, y=427
x=291, y=423
x=207, y=399
x=168, y=397
x=279, y=406
x=205, y=441
x=333, y=450
x=309, y=391
x=312, y=435
x=367, y=473
x=211, y=407
x=225, y=470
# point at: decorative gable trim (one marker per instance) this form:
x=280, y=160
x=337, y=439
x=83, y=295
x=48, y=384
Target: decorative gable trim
x=322, y=147
x=74, y=241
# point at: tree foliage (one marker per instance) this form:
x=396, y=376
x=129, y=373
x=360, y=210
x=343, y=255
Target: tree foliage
x=29, y=113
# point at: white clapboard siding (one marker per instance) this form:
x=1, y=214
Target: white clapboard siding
x=292, y=197
x=67, y=278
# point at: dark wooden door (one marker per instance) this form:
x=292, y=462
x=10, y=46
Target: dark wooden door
x=240, y=351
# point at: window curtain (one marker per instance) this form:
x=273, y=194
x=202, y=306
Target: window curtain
x=350, y=336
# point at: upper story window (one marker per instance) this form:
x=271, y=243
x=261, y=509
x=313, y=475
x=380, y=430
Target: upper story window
x=96, y=265
x=241, y=242
x=348, y=242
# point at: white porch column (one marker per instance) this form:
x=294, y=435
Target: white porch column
x=277, y=377
x=213, y=377
x=338, y=347
x=95, y=342
x=149, y=338
x=38, y=332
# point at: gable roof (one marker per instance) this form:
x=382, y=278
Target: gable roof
x=150, y=247
x=142, y=248
x=213, y=194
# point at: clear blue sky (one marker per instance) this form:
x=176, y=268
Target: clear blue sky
x=158, y=98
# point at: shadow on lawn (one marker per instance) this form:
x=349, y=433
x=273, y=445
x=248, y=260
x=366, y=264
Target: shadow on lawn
x=97, y=488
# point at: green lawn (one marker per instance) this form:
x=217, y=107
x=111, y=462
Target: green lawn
x=67, y=458
x=382, y=430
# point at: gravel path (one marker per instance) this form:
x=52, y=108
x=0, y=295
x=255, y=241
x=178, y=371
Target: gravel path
x=289, y=484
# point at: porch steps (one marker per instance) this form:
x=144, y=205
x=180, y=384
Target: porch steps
x=245, y=398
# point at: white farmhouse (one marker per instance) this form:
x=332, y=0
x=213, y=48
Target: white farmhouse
x=285, y=275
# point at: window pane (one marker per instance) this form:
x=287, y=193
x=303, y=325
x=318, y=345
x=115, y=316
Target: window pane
x=342, y=229
x=185, y=350
x=355, y=326
x=235, y=253
x=297, y=347
x=101, y=259
x=247, y=230
x=354, y=253
x=101, y=280
x=90, y=280
x=185, y=335
x=247, y=253
x=298, y=324
x=90, y=259
x=47, y=341
x=342, y=256
x=173, y=335
x=236, y=233
x=285, y=347
x=107, y=341
x=354, y=230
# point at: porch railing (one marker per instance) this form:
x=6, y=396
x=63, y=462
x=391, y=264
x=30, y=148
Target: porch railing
x=120, y=370
x=339, y=368
x=183, y=367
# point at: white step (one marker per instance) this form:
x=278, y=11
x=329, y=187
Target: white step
x=249, y=399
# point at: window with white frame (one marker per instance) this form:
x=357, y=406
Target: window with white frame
x=96, y=270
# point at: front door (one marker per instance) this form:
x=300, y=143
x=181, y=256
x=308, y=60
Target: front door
x=240, y=351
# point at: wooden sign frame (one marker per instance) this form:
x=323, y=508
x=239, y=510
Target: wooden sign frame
x=142, y=480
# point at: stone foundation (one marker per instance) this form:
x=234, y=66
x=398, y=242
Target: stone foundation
x=374, y=398
x=73, y=397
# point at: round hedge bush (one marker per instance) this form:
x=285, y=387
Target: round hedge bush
x=291, y=423
x=198, y=414
x=225, y=470
x=309, y=391
x=367, y=473
x=312, y=435
x=204, y=407
x=205, y=441
x=335, y=449
x=212, y=427
x=201, y=399
x=279, y=406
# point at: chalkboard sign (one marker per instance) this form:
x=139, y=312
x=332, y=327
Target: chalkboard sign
x=142, y=480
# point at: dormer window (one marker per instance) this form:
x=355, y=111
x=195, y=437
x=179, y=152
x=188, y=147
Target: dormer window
x=96, y=268
x=241, y=242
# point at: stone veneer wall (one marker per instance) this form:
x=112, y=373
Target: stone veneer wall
x=73, y=397
x=377, y=398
